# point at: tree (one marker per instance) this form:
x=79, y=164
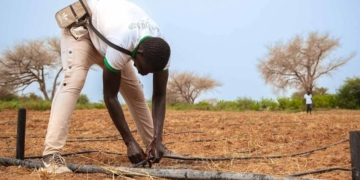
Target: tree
x=7, y=94
x=83, y=99
x=348, y=95
x=299, y=63
x=187, y=86
x=29, y=62
x=317, y=91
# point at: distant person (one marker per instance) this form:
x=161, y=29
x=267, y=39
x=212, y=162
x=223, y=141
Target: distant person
x=126, y=25
x=308, y=101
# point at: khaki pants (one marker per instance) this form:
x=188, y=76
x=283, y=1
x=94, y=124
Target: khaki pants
x=77, y=57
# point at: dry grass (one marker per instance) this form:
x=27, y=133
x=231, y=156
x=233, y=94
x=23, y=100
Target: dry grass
x=200, y=134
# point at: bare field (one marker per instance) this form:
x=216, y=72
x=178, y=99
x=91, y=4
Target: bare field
x=198, y=134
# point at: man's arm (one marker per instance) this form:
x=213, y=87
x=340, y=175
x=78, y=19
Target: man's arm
x=159, y=101
x=160, y=80
x=111, y=85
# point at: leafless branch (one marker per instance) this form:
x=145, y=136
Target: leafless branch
x=299, y=62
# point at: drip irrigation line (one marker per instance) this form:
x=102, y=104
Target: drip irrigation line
x=38, y=165
x=161, y=173
x=268, y=147
x=207, y=159
x=92, y=140
x=40, y=137
x=75, y=153
x=207, y=140
x=172, y=173
x=212, y=159
x=95, y=138
x=188, y=132
x=319, y=171
x=254, y=157
x=143, y=163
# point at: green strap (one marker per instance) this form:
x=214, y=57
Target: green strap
x=109, y=67
x=137, y=47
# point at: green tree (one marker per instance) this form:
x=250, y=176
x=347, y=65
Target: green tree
x=348, y=95
x=83, y=99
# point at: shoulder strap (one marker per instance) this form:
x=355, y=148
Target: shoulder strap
x=125, y=51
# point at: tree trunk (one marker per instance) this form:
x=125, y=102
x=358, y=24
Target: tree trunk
x=43, y=84
x=54, y=84
x=43, y=90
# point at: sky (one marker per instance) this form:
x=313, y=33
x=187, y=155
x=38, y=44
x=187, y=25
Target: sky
x=223, y=39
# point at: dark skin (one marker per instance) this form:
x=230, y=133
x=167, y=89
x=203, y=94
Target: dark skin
x=111, y=85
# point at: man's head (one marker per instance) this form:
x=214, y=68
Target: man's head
x=152, y=55
x=308, y=92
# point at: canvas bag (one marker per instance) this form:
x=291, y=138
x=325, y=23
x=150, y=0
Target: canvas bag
x=76, y=15
x=73, y=14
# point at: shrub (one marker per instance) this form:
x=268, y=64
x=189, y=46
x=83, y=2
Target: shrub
x=40, y=105
x=284, y=103
x=296, y=104
x=203, y=105
x=30, y=97
x=83, y=99
x=324, y=101
x=290, y=104
x=179, y=106
x=348, y=95
x=268, y=104
x=226, y=106
x=246, y=104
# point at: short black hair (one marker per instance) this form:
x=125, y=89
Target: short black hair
x=156, y=52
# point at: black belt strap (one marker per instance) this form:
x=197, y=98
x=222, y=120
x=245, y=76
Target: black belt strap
x=125, y=51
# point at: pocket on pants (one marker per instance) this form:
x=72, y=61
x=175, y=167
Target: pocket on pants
x=76, y=67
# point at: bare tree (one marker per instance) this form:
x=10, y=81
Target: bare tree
x=29, y=62
x=187, y=86
x=55, y=46
x=316, y=91
x=299, y=63
x=7, y=93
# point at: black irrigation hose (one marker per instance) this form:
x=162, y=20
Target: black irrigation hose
x=96, y=137
x=143, y=163
x=81, y=152
x=253, y=157
x=211, y=159
x=162, y=173
x=92, y=140
x=187, y=174
x=320, y=171
x=79, y=138
x=94, y=169
x=35, y=164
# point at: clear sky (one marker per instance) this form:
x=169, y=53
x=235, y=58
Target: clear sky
x=223, y=39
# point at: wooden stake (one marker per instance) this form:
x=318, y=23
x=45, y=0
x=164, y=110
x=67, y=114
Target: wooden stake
x=20, y=137
x=355, y=154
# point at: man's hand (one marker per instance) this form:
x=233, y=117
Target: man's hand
x=135, y=153
x=155, y=149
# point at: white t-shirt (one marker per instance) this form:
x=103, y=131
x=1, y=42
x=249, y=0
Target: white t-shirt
x=308, y=98
x=124, y=24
